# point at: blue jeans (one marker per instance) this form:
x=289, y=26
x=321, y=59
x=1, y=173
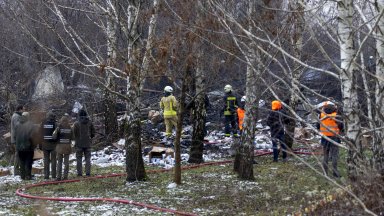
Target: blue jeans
x=278, y=138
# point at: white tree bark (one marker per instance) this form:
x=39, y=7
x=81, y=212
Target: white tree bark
x=348, y=85
x=110, y=116
x=297, y=42
x=150, y=40
x=378, y=147
x=134, y=160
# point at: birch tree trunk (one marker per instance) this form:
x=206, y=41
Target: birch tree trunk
x=110, y=116
x=199, y=115
x=348, y=87
x=150, y=40
x=378, y=146
x=297, y=43
x=245, y=155
x=179, y=128
x=134, y=160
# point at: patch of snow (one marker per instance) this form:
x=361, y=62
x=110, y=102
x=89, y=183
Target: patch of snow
x=172, y=185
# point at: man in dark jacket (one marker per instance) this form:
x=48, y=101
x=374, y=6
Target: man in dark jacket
x=25, y=132
x=276, y=121
x=63, y=132
x=330, y=126
x=49, y=145
x=83, y=131
x=15, y=119
x=230, y=106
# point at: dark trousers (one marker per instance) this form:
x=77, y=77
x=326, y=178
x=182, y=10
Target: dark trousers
x=49, y=163
x=79, y=161
x=230, y=125
x=60, y=158
x=330, y=151
x=16, y=164
x=26, y=161
x=276, y=140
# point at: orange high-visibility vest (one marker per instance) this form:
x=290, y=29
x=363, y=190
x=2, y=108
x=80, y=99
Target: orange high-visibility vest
x=328, y=124
x=240, y=116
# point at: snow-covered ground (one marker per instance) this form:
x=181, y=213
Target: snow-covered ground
x=217, y=147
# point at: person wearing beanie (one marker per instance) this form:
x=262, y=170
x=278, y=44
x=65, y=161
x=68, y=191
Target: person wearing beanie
x=276, y=121
x=83, y=132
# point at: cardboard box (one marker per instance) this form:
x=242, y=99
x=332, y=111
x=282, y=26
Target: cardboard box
x=5, y=172
x=37, y=170
x=38, y=154
x=157, y=152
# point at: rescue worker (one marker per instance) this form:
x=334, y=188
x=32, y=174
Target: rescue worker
x=63, y=132
x=319, y=107
x=276, y=121
x=49, y=145
x=241, y=113
x=330, y=126
x=83, y=132
x=15, y=119
x=25, y=137
x=231, y=103
x=169, y=105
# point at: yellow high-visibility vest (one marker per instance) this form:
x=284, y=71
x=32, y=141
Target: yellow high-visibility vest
x=169, y=105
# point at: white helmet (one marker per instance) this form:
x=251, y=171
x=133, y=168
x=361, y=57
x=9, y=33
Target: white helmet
x=168, y=89
x=227, y=88
x=243, y=99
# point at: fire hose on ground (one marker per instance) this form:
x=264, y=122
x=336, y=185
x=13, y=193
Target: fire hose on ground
x=21, y=191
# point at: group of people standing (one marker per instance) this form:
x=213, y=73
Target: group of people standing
x=330, y=123
x=54, y=138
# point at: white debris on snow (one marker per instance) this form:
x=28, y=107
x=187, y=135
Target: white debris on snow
x=172, y=185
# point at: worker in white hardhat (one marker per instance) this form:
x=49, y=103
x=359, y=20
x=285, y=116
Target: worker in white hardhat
x=231, y=103
x=241, y=112
x=169, y=105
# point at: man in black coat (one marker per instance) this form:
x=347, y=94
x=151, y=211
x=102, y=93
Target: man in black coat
x=25, y=134
x=49, y=145
x=276, y=121
x=15, y=119
x=83, y=131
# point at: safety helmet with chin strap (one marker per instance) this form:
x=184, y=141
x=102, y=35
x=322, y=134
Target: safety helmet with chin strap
x=227, y=88
x=168, y=89
x=243, y=99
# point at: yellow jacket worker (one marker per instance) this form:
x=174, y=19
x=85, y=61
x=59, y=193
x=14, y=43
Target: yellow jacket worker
x=169, y=105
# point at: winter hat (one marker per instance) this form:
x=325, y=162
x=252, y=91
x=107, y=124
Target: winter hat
x=276, y=105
